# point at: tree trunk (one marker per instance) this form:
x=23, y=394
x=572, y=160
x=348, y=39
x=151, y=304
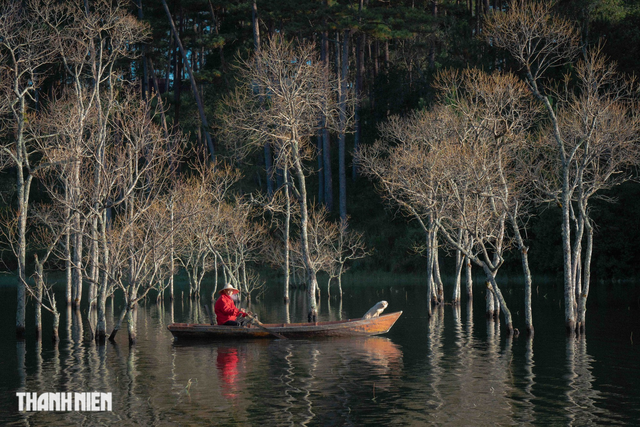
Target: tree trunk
x=158, y=97
x=118, y=323
x=342, y=171
x=194, y=88
x=582, y=302
x=455, y=299
x=498, y=295
x=77, y=262
x=310, y=274
x=145, y=74
x=489, y=303
x=39, y=294
x=132, y=316
x=320, y=164
x=469, y=277
x=67, y=247
x=55, y=337
x=359, y=82
x=565, y=202
x=326, y=140
x=436, y=272
x=287, y=223
x=430, y=259
x=255, y=26
x=22, y=244
x=23, y=186
x=94, y=272
x=524, y=254
x=172, y=261
x=101, y=323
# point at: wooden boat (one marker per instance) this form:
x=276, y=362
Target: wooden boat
x=341, y=328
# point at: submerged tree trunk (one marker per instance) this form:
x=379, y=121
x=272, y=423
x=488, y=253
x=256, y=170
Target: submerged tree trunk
x=455, y=298
x=524, y=254
x=498, y=295
x=101, y=323
x=67, y=248
x=436, y=272
x=489, y=303
x=430, y=262
x=77, y=262
x=582, y=302
x=118, y=323
x=469, y=278
x=23, y=189
x=132, y=317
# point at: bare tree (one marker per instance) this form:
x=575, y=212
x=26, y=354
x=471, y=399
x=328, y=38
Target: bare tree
x=44, y=237
x=192, y=252
x=25, y=50
x=499, y=112
x=322, y=233
x=592, y=130
x=90, y=42
x=294, y=82
x=405, y=165
x=443, y=171
x=348, y=246
x=279, y=210
x=140, y=239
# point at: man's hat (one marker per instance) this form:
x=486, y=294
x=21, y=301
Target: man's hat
x=227, y=287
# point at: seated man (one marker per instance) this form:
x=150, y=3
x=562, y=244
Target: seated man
x=225, y=308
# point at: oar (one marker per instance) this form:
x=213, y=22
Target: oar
x=259, y=325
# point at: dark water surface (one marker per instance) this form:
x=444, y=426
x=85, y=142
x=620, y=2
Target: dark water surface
x=453, y=369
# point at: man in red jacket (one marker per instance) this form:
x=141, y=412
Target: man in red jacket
x=225, y=308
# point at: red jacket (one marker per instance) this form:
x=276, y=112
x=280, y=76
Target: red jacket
x=226, y=310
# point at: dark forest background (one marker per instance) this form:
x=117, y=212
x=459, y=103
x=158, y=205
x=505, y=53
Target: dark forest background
x=395, y=48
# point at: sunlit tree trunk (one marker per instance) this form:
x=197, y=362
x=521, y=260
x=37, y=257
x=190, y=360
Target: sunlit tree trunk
x=67, y=248
x=469, y=277
x=439, y=285
x=310, y=273
x=582, y=300
x=489, y=303
x=455, y=299
x=101, y=325
x=287, y=224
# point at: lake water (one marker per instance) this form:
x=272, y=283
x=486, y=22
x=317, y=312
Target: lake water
x=453, y=369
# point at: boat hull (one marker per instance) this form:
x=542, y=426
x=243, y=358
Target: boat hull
x=353, y=327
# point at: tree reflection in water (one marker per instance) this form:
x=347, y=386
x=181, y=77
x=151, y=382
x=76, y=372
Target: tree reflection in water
x=581, y=397
x=443, y=371
x=435, y=355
